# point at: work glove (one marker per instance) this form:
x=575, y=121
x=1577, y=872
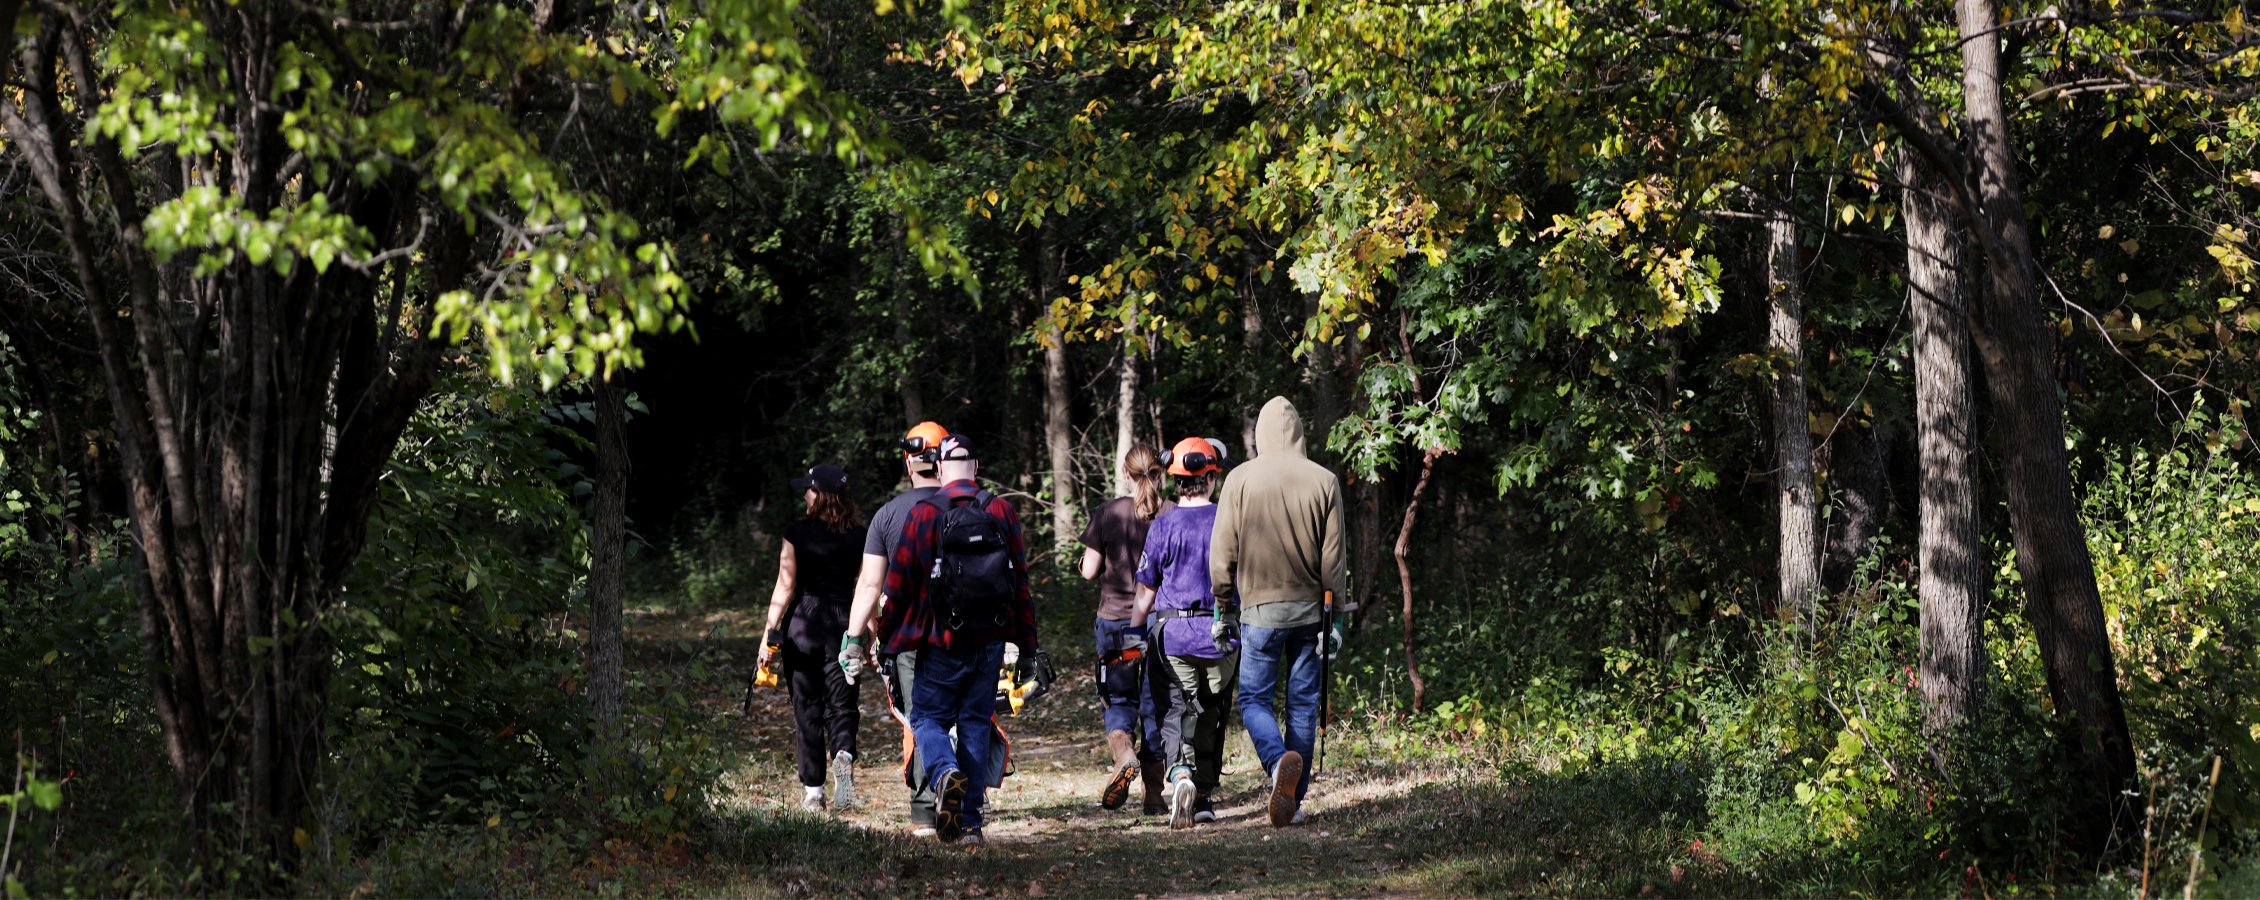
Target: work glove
x=1333, y=645
x=1220, y=628
x=1011, y=654
x=1133, y=644
x=852, y=657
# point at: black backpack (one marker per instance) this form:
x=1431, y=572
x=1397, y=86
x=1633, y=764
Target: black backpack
x=973, y=584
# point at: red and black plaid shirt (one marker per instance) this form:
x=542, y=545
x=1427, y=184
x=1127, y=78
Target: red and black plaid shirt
x=909, y=622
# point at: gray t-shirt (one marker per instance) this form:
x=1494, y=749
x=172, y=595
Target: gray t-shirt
x=1283, y=613
x=886, y=524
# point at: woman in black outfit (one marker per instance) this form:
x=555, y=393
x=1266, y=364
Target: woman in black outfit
x=808, y=614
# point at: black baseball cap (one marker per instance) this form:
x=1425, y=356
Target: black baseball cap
x=958, y=448
x=823, y=477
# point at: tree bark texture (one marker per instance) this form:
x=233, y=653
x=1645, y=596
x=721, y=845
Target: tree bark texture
x=1059, y=432
x=608, y=548
x=1126, y=403
x=255, y=412
x=1252, y=394
x=908, y=384
x=1854, y=456
x=1950, y=559
x=2016, y=346
x=1799, y=560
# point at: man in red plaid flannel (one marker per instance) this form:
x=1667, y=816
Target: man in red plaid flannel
x=957, y=591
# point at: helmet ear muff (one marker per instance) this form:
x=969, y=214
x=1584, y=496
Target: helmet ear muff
x=1168, y=457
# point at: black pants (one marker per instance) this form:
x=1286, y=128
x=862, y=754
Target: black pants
x=825, y=713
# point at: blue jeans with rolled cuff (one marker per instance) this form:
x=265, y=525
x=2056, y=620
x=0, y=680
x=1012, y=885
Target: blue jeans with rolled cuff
x=1140, y=700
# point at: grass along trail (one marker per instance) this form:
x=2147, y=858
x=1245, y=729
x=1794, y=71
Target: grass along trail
x=1448, y=825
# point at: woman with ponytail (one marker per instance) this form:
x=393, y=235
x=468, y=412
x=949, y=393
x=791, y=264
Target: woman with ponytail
x=1135, y=698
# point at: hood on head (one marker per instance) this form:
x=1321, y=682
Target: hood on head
x=1279, y=429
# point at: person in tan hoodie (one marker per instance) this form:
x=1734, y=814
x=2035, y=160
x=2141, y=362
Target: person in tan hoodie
x=1276, y=550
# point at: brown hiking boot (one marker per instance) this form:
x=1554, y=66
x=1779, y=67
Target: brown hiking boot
x=1284, y=777
x=1125, y=768
x=1157, y=800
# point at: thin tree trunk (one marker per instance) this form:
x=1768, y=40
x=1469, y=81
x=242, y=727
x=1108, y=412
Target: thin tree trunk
x=1800, y=556
x=1854, y=461
x=1950, y=560
x=1252, y=394
x=908, y=384
x=2016, y=346
x=1126, y=403
x=1059, y=438
x=608, y=536
x=1404, y=580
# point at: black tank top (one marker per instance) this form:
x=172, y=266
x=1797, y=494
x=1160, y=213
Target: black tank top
x=825, y=564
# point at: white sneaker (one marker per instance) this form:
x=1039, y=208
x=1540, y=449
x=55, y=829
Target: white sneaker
x=1301, y=816
x=1181, y=803
x=922, y=831
x=843, y=780
x=812, y=799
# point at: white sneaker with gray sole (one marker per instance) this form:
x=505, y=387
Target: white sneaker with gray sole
x=842, y=775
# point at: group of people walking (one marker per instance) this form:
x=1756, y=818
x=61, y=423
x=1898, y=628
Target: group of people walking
x=1224, y=593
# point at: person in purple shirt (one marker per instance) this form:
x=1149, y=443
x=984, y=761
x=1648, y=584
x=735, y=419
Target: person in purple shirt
x=1195, y=641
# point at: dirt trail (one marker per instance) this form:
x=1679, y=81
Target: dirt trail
x=1046, y=834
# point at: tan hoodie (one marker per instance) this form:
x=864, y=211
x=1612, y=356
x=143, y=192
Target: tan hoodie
x=1278, y=532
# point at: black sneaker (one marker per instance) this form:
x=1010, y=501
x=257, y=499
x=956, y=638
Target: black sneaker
x=1203, y=810
x=949, y=817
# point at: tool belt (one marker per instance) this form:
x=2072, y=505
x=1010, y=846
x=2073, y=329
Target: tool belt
x=1168, y=614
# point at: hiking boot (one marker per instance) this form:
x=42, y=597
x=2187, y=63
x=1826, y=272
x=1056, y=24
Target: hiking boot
x=1157, y=801
x=1203, y=810
x=1117, y=790
x=843, y=780
x=1284, y=777
x=812, y=799
x=949, y=817
x=1181, y=803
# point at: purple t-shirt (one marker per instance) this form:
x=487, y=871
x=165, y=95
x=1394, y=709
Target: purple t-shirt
x=1175, y=565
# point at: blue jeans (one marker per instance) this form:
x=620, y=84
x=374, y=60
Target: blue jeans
x=957, y=689
x=1263, y=651
x=1143, y=707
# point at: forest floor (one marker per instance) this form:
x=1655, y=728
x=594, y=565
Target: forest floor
x=1452, y=825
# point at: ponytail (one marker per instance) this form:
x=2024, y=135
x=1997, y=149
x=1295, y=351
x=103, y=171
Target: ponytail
x=1143, y=467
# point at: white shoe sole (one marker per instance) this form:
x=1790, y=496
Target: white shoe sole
x=843, y=781
x=1181, y=804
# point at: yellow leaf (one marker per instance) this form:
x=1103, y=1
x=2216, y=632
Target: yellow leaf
x=301, y=838
x=671, y=791
x=619, y=91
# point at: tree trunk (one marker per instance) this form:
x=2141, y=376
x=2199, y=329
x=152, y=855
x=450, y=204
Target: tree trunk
x=1126, y=403
x=1793, y=437
x=608, y=546
x=1252, y=394
x=2016, y=345
x=1854, y=456
x=907, y=377
x=1950, y=559
x=1059, y=436
x=255, y=411
x=1404, y=581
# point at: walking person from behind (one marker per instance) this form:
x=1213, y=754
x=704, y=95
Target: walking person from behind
x=1275, y=552
x=1135, y=698
x=921, y=454
x=957, y=591
x=808, y=613
x=1198, y=645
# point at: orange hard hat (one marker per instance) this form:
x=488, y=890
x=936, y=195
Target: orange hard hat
x=924, y=441
x=1195, y=456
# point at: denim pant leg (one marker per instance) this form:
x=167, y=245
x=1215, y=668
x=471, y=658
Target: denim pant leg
x=957, y=689
x=1134, y=697
x=1265, y=655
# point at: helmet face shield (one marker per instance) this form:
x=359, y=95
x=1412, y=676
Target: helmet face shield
x=923, y=443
